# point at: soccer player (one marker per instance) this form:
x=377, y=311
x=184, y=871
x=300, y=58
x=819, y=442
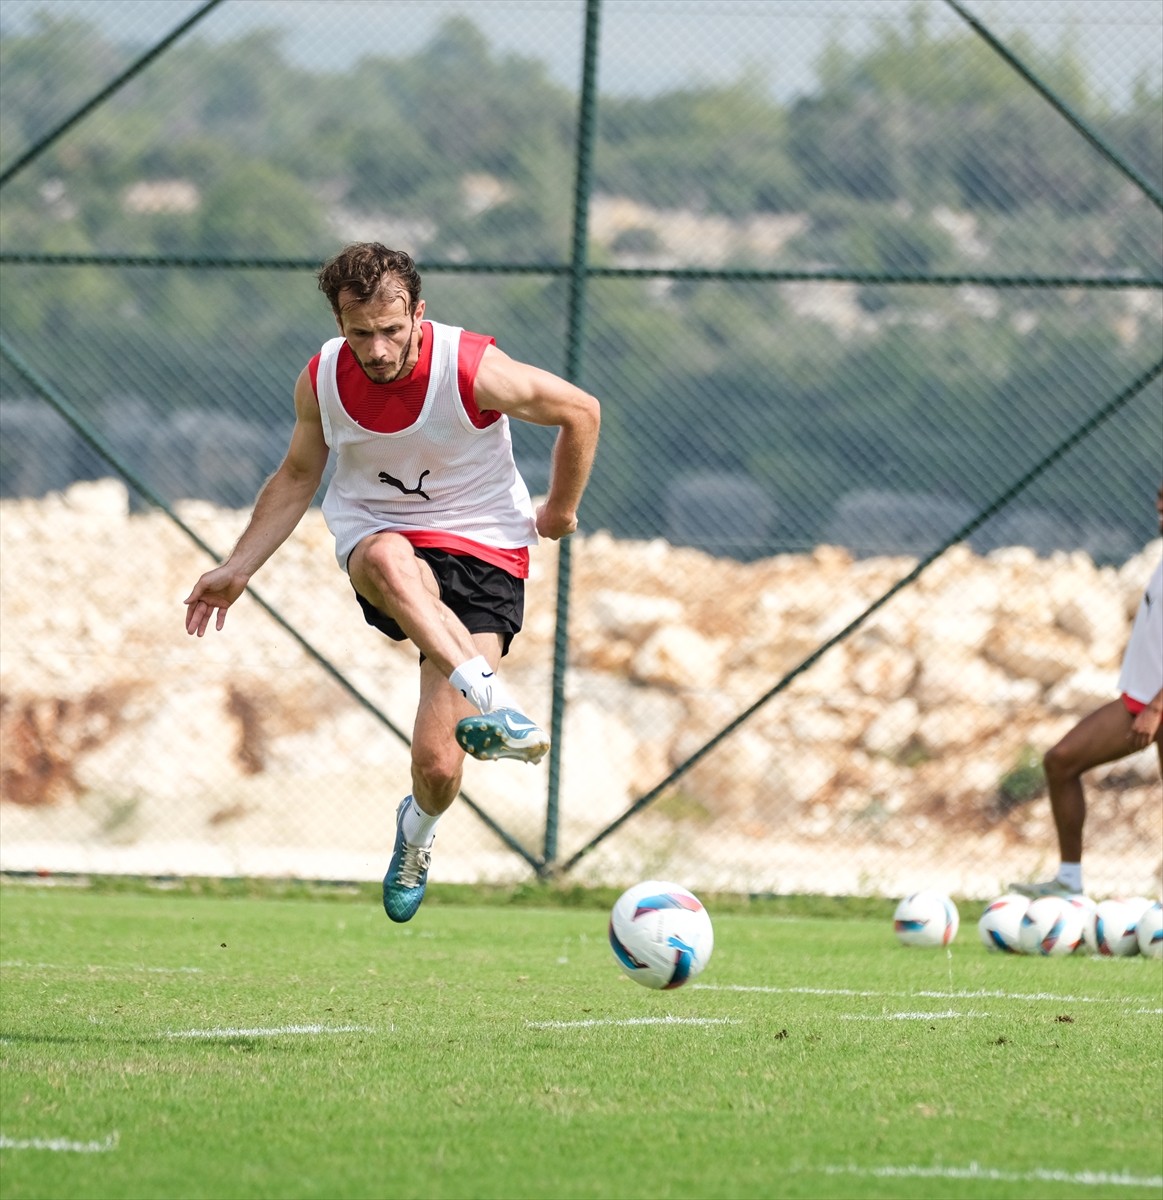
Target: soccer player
x=1111, y=732
x=431, y=519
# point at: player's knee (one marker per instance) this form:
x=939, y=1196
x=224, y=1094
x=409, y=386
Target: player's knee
x=1058, y=762
x=389, y=560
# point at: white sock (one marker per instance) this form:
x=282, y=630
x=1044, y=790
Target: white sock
x=1070, y=874
x=419, y=828
x=478, y=684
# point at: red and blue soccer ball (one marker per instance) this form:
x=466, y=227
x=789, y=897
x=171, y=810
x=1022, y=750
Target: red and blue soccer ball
x=661, y=934
x=925, y=919
x=1150, y=931
x=1112, y=930
x=1051, y=926
x=1000, y=925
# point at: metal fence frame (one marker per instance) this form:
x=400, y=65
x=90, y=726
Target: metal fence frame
x=579, y=271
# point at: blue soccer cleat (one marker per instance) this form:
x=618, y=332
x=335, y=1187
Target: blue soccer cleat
x=407, y=875
x=502, y=733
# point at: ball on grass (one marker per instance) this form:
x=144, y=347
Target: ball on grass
x=1051, y=926
x=1001, y=923
x=1149, y=931
x=1111, y=930
x=926, y=918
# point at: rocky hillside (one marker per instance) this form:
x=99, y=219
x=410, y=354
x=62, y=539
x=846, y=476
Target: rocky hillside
x=905, y=756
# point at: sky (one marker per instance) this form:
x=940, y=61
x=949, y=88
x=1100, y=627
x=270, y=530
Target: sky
x=648, y=46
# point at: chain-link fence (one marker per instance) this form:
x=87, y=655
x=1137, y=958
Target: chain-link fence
x=871, y=292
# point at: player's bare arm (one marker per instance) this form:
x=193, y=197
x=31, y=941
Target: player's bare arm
x=527, y=393
x=280, y=506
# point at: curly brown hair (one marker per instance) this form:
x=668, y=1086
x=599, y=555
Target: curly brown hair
x=366, y=269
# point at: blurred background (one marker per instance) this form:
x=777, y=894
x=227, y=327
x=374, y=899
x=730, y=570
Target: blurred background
x=871, y=292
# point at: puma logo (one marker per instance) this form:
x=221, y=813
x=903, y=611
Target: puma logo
x=416, y=491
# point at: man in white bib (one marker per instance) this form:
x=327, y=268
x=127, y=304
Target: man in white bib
x=1111, y=732
x=431, y=519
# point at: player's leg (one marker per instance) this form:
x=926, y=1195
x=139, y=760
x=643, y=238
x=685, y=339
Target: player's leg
x=437, y=768
x=386, y=571
x=437, y=760
x=1100, y=737
x=410, y=587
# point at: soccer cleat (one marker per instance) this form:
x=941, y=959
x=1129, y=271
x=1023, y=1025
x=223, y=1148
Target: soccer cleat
x=502, y=733
x=407, y=875
x=1052, y=887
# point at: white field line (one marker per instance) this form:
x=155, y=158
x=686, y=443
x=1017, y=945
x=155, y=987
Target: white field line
x=980, y=994
x=948, y=1015
x=59, y=1145
x=976, y=1171
x=631, y=1021
x=273, y=1031
x=42, y=966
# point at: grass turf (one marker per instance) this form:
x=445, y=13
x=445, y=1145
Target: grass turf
x=158, y=1045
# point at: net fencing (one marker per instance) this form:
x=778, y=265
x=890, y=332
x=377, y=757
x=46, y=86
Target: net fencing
x=872, y=296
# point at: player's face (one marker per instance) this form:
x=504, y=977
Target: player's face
x=383, y=335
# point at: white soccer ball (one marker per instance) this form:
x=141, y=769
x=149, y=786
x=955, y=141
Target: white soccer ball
x=1111, y=930
x=1137, y=904
x=1001, y=923
x=1149, y=931
x=1051, y=926
x=661, y=934
x=926, y=919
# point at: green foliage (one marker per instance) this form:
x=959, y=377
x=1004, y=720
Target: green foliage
x=874, y=237
x=721, y=149
x=461, y=153
x=1010, y=160
x=256, y=210
x=1025, y=781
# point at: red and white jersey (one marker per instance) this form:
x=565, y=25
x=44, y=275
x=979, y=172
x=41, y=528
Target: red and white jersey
x=1142, y=674
x=417, y=457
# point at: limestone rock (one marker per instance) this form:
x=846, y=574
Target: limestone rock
x=893, y=729
x=1043, y=654
x=676, y=656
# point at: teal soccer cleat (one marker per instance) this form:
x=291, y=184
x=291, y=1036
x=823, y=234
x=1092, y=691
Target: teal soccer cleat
x=407, y=875
x=502, y=733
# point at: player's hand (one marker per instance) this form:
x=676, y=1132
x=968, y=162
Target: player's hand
x=553, y=525
x=215, y=592
x=1144, y=727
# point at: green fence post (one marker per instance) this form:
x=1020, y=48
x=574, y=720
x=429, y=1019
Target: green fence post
x=575, y=336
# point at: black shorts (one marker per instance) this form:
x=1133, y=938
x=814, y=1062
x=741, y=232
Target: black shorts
x=485, y=598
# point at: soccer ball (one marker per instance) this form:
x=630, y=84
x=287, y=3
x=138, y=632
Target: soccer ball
x=926, y=919
x=1051, y=926
x=1111, y=930
x=661, y=934
x=1001, y=923
x=1149, y=931
x=1137, y=904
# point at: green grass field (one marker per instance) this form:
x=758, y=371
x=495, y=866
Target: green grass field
x=175, y=1045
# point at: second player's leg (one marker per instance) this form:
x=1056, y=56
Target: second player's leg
x=1099, y=738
